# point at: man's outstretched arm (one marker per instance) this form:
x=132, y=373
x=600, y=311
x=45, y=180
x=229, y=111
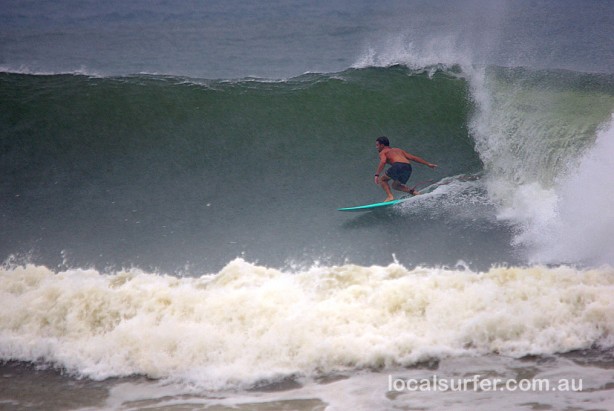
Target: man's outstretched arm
x=417, y=159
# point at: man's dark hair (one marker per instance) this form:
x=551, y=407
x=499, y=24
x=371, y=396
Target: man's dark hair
x=383, y=140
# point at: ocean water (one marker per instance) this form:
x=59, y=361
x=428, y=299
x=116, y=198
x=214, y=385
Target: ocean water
x=170, y=179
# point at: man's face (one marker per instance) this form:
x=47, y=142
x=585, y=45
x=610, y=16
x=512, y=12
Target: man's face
x=379, y=147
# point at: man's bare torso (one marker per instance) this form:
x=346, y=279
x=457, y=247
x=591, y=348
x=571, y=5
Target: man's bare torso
x=394, y=155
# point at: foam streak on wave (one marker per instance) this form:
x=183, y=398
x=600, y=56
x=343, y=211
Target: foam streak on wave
x=250, y=323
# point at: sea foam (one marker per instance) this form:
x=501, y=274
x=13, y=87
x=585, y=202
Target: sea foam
x=249, y=323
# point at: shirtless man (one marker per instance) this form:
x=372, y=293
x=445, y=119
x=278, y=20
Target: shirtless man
x=400, y=168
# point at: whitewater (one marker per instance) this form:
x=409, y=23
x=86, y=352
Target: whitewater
x=249, y=324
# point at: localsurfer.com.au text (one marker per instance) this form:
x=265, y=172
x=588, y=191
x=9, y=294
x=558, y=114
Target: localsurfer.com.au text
x=477, y=383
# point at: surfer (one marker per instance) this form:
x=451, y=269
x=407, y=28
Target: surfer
x=400, y=168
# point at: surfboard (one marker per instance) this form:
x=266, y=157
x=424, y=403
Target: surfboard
x=369, y=207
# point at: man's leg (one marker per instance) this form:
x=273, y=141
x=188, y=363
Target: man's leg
x=383, y=181
x=402, y=187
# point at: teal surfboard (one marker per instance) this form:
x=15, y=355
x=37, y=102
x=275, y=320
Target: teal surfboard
x=369, y=207
x=374, y=206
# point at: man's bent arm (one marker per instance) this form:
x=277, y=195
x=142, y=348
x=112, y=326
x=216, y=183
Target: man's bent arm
x=380, y=166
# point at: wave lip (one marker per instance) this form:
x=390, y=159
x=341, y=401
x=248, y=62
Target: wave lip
x=249, y=323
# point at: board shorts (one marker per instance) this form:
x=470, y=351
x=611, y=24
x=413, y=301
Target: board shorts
x=399, y=172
